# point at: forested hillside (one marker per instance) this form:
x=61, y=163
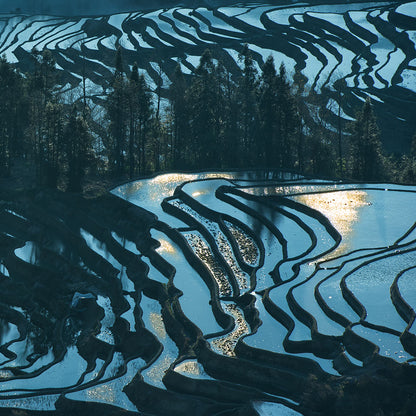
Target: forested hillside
x=272, y=86
x=261, y=120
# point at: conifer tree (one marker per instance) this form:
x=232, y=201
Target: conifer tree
x=46, y=125
x=77, y=149
x=53, y=142
x=145, y=116
x=413, y=146
x=227, y=132
x=117, y=103
x=320, y=153
x=407, y=164
x=202, y=105
x=140, y=121
x=248, y=106
x=268, y=145
x=179, y=119
x=13, y=116
x=366, y=155
x=134, y=80
x=340, y=86
x=299, y=83
x=287, y=119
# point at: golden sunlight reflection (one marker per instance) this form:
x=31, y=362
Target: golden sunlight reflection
x=163, y=186
x=198, y=193
x=165, y=247
x=169, y=178
x=133, y=187
x=341, y=207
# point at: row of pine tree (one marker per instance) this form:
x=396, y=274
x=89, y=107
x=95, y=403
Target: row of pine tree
x=212, y=120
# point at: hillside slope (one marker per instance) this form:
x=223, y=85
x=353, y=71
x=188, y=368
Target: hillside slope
x=370, y=45
x=101, y=7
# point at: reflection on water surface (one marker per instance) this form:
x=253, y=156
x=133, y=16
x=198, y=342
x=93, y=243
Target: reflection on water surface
x=236, y=273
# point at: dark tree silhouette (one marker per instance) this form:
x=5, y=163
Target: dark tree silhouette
x=268, y=144
x=78, y=150
x=117, y=110
x=366, y=154
x=247, y=102
x=203, y=104
x=13, y=116
x=179, y=120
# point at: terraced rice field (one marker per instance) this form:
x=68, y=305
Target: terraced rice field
x=204, y=294
x=369, y=45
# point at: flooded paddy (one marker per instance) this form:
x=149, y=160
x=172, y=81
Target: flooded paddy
x=195, y=283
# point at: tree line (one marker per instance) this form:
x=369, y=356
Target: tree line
x=259, y=119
